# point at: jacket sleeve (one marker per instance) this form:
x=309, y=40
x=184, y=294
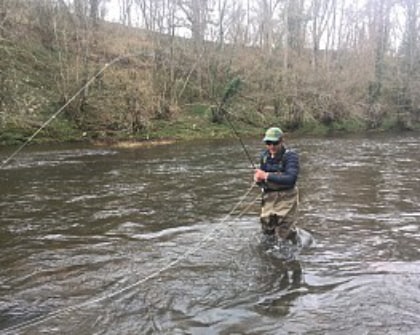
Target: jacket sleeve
x=290, y=172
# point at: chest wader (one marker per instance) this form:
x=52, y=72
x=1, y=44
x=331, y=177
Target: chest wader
x=278, y=213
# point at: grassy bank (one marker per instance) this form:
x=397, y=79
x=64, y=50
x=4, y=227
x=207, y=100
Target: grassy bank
x=191, y=124
x=121, y=83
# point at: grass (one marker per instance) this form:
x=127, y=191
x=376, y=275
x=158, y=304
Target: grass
x=193, y=123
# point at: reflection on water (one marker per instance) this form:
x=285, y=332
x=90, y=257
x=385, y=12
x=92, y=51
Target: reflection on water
x=104, y=241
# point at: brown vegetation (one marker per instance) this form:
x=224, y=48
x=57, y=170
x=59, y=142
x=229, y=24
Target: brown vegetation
x=324, y=65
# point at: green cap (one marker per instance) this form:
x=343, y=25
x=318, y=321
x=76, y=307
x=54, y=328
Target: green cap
x=273, y=134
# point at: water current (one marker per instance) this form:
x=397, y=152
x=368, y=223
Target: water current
x=99, y=240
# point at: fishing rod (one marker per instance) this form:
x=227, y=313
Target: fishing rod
x=231, y=90
x=240, y=141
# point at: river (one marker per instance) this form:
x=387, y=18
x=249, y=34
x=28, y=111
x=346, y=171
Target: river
x=161, y=240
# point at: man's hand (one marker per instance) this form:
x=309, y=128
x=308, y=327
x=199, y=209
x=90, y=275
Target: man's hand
x=260, y=176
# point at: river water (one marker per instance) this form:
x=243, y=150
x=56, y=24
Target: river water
x=140, y=241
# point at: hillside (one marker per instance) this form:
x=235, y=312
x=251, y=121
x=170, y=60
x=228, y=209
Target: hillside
x=106, y=80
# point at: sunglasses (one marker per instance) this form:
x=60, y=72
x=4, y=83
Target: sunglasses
x=272, y=142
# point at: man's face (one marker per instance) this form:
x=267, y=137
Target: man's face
x=272, y=146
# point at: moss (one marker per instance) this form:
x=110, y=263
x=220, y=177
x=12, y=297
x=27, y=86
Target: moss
x=313, y=128
x=12, y=137
x=349, y=125
x=197, y=109
x=61, y=131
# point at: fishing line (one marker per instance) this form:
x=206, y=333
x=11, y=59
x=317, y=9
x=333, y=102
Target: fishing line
x=88, y=83
x=240, y=140
x=40, y=319
x=60, y=110
x=199, y=245
x=46, y=123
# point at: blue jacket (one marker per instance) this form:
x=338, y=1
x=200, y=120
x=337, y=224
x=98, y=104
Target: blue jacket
x=283, y=168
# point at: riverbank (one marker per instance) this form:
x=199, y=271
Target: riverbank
x=167, y=134
x=106, y=82
x=186, y=127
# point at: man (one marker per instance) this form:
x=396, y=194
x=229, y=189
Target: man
x=277, y=175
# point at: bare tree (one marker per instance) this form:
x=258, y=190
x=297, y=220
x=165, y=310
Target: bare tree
x=237, y=28
x=380, y=28
x=222, y=9
x=5, y=85
x=410, y=49
x=411, y=41
x=196, y=13
x=80, y=8
x=126, y=7
x=266, y=13
x=146, y=12
x=158, y=15
x=296, y=25
x=322, y=11
x=97, y=9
